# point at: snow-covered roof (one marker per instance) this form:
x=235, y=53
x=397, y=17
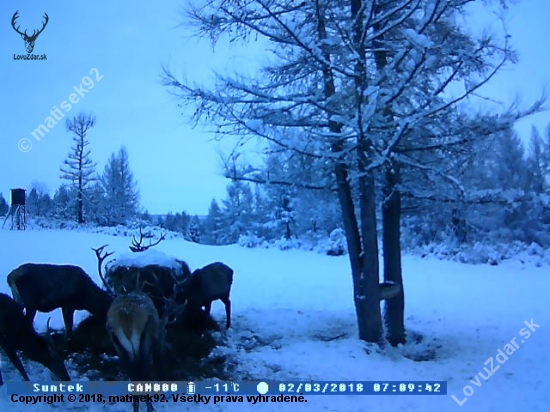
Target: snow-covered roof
x=146, y=258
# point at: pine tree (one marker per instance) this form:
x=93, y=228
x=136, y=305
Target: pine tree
x=145, y=216
x=32, y=202
x=184, y=222
x=120, y=188
x=39, y=202
x=536, y=162
x=64, y=203
x=169, y=222
x=96, y=207
x=46, y=205
x=213, y=224
x=4, y=207
x=195, y=232
x=236, y=212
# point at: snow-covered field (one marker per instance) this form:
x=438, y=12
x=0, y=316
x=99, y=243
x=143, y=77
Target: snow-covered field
x=293, y=319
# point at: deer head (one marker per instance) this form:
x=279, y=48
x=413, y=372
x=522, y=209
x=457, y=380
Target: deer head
x=29, y=40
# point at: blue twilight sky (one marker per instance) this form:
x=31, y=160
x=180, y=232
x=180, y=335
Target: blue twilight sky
x=124, y=44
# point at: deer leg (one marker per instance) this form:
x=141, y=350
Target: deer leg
x=135, y=406
x=12, y=355
x=150, y=407
x=68, y=314
x=30, y=313
x=227, y=304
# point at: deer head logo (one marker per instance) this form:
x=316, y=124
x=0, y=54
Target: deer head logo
x=29, y=40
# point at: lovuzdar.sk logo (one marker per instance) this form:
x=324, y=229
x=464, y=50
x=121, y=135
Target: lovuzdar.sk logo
x=29, y=39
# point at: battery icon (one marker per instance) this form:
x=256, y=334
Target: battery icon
x=191, y=388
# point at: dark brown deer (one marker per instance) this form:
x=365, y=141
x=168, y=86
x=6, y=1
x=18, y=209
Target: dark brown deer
x=138, y=336
x=17, y=333
x=208, y=284
x=45, y=287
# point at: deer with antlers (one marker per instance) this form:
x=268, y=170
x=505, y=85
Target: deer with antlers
x=29, y=40
x=154, y=280
x=136, y=333
x=17, y=333
x=136, y=330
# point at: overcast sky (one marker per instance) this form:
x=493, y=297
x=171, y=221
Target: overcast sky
x=121, y=46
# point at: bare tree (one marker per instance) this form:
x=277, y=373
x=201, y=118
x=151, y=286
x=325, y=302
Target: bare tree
x=78, y=168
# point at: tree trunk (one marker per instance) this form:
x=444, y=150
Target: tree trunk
x=368, y=314
x=79, y=202
x=368, y=283
x=368, y=320
x=367, y=296
x=394, y=309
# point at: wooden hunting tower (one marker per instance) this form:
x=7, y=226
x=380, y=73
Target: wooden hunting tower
x=18, y=211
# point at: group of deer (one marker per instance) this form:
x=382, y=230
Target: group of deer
x=135, y=324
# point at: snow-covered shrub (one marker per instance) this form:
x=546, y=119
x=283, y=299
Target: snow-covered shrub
x=251, y=241
x=287, y=244
x=335, y=245
x=492, y=253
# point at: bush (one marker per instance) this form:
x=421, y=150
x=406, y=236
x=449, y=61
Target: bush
x=251, y=241
x=335, y=245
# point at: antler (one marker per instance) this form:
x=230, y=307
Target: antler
x=171, y=309
x=36, y=33
x=100, y=260
x=138, y=247
x=15, y=16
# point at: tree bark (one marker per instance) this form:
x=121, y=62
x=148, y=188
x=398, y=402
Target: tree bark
x=365, y=324
x=367, y=290
x=394, y=308
x=368, y=299
x=368, y=321
x=79, y=198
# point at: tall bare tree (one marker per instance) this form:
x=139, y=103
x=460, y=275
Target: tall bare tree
x=78, y=168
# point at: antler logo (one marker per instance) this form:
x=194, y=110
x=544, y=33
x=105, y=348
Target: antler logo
x=29, y=40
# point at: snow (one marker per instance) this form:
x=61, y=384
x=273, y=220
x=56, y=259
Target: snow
x=145, y=258
x=294, y=320
x=417, y=39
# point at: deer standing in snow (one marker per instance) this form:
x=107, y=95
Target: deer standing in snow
x=136, y=333
x=208, y=284
x=45, y=287
x=17, y=333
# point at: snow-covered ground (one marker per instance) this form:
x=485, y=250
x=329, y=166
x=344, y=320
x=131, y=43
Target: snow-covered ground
x=293, y=319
